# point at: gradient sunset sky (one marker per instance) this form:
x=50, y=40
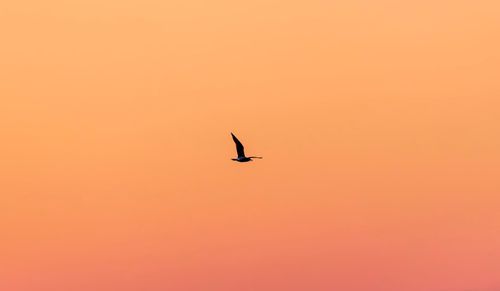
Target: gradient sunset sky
x=379, y=123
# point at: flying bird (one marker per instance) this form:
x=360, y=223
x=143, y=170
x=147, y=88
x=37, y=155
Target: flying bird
x=241, y=152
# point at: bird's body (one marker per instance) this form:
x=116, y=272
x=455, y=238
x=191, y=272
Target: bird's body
x=242, y=159
x=241, y=152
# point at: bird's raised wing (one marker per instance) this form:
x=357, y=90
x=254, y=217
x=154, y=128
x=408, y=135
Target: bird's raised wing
x=239, y=147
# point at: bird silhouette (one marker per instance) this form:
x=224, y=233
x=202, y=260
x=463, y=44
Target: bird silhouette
x=241, y=151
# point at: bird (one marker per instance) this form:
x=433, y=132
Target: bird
x=241, y=152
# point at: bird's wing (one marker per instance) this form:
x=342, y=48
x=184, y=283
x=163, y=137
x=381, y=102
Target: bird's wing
x=239, y=147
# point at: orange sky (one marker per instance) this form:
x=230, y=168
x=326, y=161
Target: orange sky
x=378, y=122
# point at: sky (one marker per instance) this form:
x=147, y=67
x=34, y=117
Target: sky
x=378, y=122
